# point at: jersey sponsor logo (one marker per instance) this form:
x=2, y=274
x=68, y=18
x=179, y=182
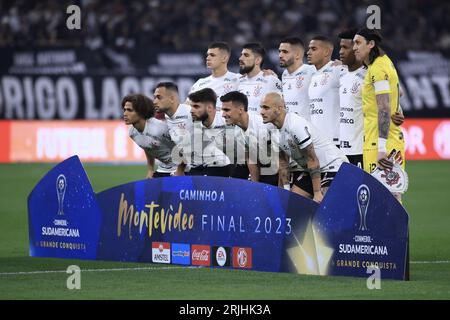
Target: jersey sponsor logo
x=316, y=111
x=221, y=256
x=345, y=144
x=201, y=255
x=161, y=252
x=242, y=257
x=347, y=121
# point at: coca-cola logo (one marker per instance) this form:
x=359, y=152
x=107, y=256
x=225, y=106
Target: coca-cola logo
x=200, y=255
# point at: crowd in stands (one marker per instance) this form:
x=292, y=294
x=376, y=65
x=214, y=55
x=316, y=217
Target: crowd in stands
x=190, y=25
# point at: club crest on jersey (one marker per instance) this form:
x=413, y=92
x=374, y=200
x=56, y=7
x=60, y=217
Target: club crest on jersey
x=227, y=88
x=299, y=83
x=324, y=80
x=257, y=91
x=355, y=88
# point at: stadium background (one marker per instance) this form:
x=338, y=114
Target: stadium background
x=60, y=93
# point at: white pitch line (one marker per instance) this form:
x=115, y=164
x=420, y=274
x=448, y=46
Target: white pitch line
x=94, y=270
x=431, y=262
x=156, y=268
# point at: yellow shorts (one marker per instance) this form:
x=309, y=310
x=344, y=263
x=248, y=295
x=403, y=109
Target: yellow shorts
x=370, y=156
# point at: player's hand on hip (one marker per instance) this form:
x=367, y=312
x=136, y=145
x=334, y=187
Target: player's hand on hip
x=398, y=118
x=383, y=161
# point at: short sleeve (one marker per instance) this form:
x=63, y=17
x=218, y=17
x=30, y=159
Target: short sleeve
x=379, y=78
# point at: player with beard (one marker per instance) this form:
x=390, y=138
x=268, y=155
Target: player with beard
x=255, y=85
x=209, y=132
x=297, y=76
x=295, y=80
x=179, y=121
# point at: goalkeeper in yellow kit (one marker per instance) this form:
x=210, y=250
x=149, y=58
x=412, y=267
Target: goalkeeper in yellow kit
x=380, y=99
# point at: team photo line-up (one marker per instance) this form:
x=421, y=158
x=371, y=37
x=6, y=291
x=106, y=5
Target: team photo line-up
x=294, y=133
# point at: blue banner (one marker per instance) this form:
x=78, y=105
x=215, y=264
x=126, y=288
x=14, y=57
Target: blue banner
x=222, y=223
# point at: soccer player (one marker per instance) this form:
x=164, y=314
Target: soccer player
x=179, y=121
x=351, y=81
x=209, y=136
x=305, y=144
x=380, y=100
x=255, y=85
x=249, y=128
x=149, y=133
x=221, y=80
x=297, y=76
x=324, y=88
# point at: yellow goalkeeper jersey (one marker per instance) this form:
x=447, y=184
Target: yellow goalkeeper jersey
x=381, y=77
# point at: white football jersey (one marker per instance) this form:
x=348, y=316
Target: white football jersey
x=256, y=88
x=209, y=143
x=295, y=90
x=181, y=129
x=324, y=100
x=297, y=133
x=255, y=136
x=155, y=140
x=221, y=85
x=352, y=120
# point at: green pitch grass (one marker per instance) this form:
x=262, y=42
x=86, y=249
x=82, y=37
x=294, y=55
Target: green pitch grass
x=23, y=277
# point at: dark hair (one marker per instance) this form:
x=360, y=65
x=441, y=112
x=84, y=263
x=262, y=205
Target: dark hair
x=220, y=45
x=168, y=85
x=235, y=97
x=294, y=41
x=372, y=35
x=348, y=34
x=142, y=104
x=257, y=49
x=204, y=95
x=324, y=39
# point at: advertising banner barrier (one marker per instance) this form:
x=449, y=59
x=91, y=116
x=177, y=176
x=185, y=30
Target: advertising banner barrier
x=108, y=141
x=78, y=83
x=222, y=223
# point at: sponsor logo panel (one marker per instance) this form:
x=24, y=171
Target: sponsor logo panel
x=181, y=253
x=201, y=255
x=161, y=252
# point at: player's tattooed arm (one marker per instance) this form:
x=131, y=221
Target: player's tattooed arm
x=384, y=115
x=384, y=121
x=283, y=171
